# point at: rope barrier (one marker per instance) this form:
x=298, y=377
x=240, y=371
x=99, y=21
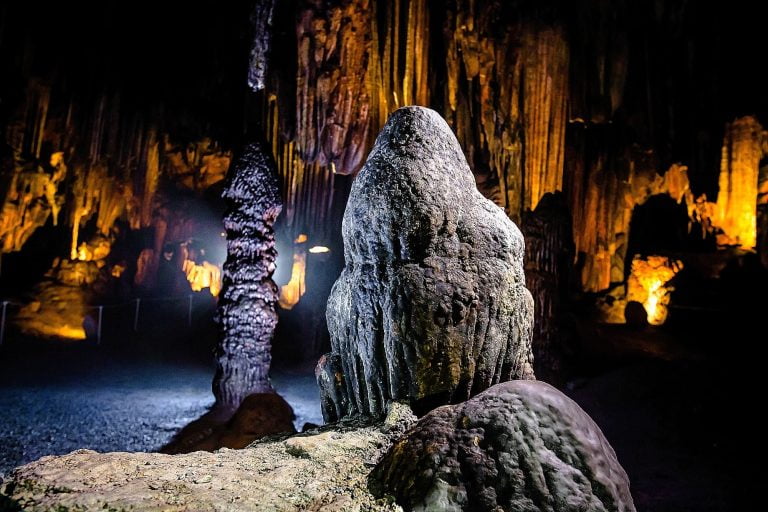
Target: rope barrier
x=136, y=302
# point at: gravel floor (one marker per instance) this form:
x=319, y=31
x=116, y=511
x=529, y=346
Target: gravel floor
x=86, y=398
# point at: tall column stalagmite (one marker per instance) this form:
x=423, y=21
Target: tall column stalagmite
x=736, y=209
x=548, y=235
x=247, y=305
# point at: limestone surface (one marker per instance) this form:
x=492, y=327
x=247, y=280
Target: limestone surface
x=322, y=470
x=431, y=306
x=246, y=310
x=520, y=446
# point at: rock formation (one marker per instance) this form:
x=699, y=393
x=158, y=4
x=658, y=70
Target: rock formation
x=247, y=304
x=520, y=445
x=548, y=260
x=649, y=285
x=744, y=146
x=431, y=306
x=259, y=415
x=261, y=25
x=324, y=469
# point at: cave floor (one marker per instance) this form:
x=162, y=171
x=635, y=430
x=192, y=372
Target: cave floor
x=58, y=398
x=679, y=420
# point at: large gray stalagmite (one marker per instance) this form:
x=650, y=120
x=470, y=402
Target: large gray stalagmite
x=247, y=304
x=431, y=306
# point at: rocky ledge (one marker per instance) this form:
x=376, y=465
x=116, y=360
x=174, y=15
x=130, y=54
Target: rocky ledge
x=325, y=469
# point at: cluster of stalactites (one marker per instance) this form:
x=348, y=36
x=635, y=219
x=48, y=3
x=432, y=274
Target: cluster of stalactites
x=112, y=162
x=517, y=127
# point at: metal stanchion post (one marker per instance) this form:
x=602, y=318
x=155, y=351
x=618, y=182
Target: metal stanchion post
x=98, y=329
x=2, y=322
x=136, y=316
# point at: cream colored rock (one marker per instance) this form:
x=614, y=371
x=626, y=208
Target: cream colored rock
x=322, y=470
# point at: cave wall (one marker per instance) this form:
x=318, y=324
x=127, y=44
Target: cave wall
x=608, y=102
x=601, y=100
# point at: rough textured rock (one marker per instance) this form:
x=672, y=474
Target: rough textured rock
x=259, y=415
x=261, y=24
x=744, y=146
x=431, y=305
x=247, y=304
x=548, y=260
x=332, y=101
x=325, y=469
x=520, y=445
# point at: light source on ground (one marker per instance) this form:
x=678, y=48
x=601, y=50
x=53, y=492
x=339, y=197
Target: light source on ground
x=649, y=285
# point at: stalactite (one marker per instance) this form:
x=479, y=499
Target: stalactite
x=332, y=104
x=308, y=186
x=398, y=77
x=247, y=304
x=261, y=25
x=515, y=123
x=736, y=207
x=30, y=200
x=545, y=91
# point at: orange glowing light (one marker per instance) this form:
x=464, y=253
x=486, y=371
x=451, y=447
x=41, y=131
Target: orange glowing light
x=301, y=239
x=117, y=270
x=204, y=275
x=648, y=284
x=291, y=292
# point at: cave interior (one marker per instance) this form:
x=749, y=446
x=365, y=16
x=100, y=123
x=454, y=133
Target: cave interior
x=624, y=139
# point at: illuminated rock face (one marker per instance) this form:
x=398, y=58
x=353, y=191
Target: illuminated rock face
x=431, y=306
x=247, y=303
x=261, y=25
x=736, y=209
x=648, y=285
x=520, y=445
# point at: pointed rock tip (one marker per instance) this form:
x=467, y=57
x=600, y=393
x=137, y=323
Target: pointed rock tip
x=410, y=124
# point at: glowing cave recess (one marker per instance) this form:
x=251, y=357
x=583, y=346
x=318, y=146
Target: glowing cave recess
x=649, y=285
x=291, y=292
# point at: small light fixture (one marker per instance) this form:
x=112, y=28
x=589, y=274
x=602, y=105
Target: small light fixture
x=319, y=249
x=301, y=239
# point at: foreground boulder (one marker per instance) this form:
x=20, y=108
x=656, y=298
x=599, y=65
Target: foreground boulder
x=431, y=306
x=520, y=446
x=326, y=470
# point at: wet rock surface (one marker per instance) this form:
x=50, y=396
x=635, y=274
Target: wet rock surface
x=431, y=306
x=520, y=445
